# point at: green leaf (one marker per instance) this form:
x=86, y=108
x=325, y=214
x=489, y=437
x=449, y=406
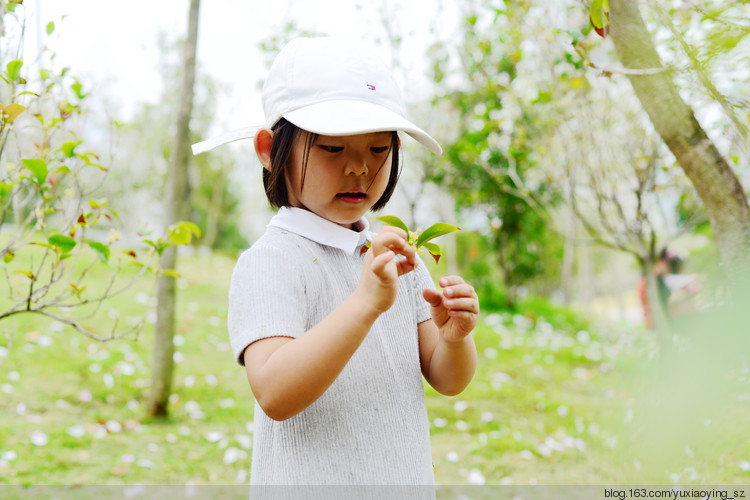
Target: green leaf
x=182, y=233
x=599, y=16
x=28, y=274
x=38, y=168
x=11, y=112
x=434, y=250
x=8, y=257
x=102, y=250
x=434, y=231
x=64, y=243
x=392, y=220
x=6, y=188
x=50, y=27
x=68, y=148
x=170, y=272
x=100, y=203
x=14, y=69
x=575, y=34
x=78, y=89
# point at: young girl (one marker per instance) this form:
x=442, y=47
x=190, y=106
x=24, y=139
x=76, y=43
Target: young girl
x=335, y=338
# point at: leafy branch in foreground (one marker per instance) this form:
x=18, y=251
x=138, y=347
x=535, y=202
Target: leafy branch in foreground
x=54, y=229
x=419, y=239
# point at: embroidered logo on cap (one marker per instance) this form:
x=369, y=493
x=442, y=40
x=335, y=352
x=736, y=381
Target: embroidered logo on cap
x=371, y=87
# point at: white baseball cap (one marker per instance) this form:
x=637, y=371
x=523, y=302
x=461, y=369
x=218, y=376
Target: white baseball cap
x=330, y=86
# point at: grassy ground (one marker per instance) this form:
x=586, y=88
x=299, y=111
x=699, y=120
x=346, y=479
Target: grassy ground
x=553, y=402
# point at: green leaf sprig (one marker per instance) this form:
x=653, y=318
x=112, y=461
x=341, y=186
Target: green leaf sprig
x=419, y=239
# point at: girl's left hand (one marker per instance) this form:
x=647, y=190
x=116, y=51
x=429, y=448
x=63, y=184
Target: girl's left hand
x=455, y=309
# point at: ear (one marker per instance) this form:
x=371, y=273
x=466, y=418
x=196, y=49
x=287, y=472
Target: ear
x=262, y=142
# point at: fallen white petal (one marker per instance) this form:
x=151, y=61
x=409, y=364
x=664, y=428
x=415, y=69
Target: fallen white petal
x=440, y=423
x=39, y=438
x=213, y=437
x=476, y=477
x=76, y=431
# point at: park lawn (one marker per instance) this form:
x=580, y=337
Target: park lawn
x=553, y=402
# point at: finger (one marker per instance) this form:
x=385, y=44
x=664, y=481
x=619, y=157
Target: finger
x=450, y=280
x=460, y=290
x=388, y=241
x=392, y=229
x=405, y=266
x=392, y=241
x=433, y=297
x=463, y=304
x=380, y=263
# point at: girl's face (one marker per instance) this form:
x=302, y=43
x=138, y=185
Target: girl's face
x=345, y=175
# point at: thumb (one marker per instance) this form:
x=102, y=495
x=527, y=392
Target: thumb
x=433, y=297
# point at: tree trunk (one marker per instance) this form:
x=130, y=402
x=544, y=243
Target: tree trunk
x=716, y=184
x=176, y=207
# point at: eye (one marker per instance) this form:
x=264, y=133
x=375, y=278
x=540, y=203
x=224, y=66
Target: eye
x=331, y=149
x=380, y=149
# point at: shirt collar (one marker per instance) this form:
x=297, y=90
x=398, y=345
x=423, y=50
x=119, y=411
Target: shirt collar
x=320, y=230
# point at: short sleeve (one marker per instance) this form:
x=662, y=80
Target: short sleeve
x=422, y=280
x=266, y=299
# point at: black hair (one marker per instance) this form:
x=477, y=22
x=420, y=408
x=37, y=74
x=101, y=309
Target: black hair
x=285, y=135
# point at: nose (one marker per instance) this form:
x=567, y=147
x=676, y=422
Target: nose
x=356, y=166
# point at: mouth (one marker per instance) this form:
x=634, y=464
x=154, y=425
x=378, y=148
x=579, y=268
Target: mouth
x=352, y=196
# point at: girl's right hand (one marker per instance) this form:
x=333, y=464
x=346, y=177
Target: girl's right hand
x=378, y=284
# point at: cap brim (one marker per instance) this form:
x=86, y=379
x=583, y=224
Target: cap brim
x=220, y=140
x=349, y=117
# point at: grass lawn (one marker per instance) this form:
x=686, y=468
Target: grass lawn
x=552, y=403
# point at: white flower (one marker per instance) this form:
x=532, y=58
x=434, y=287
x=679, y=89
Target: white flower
x=9, y=455
x=76, y=431
x=452, y=457
x=460, y=406
x=213, y=437
x=113, y=426
x=440, y=423
x=233, y=454
x=244, y=441
x=476, y=477
x=39, y=438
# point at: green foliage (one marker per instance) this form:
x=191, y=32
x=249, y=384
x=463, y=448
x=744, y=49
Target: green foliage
x=146, y=147
x=421, y=239
x=599, y=16
x=552, y=402
x=490, y=164
x=54, y=226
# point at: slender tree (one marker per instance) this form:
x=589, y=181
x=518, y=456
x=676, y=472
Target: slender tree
x=714, y=180
x=175, y=209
